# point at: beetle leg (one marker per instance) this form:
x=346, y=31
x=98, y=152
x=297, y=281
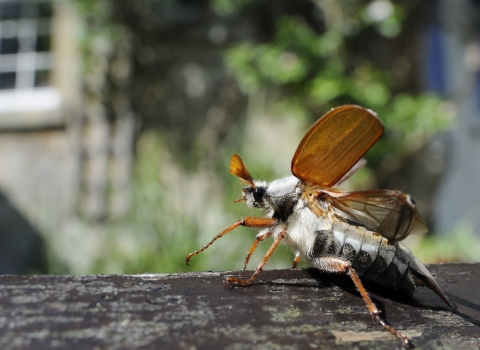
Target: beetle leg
x=296, y=260
x=259, y=268
x=248, y=222
x=260, y=237
x=337, y=265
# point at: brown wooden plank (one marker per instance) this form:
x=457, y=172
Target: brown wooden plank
x=286, y=309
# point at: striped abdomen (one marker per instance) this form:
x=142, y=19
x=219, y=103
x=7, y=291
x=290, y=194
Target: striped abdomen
x=374, y=258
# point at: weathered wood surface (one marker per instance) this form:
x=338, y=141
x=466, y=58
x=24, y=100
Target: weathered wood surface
x=285, y=309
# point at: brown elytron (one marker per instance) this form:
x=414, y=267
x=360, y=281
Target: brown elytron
x=334, y=144
x=355, y=233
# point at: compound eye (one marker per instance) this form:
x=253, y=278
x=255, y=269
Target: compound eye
x=258, y=193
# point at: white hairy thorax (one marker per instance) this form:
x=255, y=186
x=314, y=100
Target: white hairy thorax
x=302, y=224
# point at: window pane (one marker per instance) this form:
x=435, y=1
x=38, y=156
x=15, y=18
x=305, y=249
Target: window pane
x=10, y=10
x=29, y=10
x=42, y=78
x=8, y=46
x=44, y=10
x=7, y=80
x=43, y=43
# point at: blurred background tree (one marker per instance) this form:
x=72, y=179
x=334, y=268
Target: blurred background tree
x=205, y=79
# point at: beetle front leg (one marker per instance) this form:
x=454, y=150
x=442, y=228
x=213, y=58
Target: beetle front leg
x=248, y=222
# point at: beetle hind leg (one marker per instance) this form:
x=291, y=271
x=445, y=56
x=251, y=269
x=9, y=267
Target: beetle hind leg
x=336, y=265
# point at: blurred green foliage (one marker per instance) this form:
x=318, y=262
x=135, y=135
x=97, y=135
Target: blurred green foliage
x=150, y=238
x=315, y=73
x=229, y=7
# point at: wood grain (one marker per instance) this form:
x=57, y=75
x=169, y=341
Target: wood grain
x=285, y=309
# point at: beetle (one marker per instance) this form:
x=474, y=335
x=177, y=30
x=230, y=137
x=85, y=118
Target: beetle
x=354, y=233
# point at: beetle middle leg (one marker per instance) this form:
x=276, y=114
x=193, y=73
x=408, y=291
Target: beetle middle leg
x=337, y=265
x=263, y=235
x=296, y=260
x=276, y=242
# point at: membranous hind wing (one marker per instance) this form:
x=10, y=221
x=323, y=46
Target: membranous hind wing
x=334, y=144
x=389, y=213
